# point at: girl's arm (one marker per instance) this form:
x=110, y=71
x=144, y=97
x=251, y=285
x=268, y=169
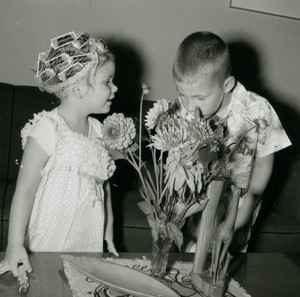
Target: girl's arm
x=33, y=161
x=260, y=177
x=109, y=221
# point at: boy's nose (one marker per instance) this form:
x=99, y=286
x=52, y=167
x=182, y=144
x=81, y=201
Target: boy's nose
x=190, y=106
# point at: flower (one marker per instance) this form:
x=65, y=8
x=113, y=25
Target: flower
x=186, y=156
x=200, y=129
x=171, y=132
x=118, y=132
x=181, y=171
x=146, y=89
x=159, y=108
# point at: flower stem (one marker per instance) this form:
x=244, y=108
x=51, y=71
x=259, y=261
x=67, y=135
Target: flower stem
x=161, y=172
x=140, y=130
x=145, y=184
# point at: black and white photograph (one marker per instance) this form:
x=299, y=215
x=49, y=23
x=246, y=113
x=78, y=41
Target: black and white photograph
x=149, y=148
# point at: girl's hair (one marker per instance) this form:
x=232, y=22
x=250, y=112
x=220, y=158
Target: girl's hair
x=202, y=53
x=70, y=58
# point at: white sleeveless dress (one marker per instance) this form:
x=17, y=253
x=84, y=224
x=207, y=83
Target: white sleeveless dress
x=68, y=213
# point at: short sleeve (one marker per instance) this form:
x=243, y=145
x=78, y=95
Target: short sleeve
x=42, y=131
x=95, y=128
x=271, y=134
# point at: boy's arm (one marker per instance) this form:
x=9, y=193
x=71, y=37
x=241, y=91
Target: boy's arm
x=260, y=177
x=33, y=161
x=109, y=221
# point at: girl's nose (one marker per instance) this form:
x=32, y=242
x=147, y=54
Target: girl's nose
x=114, y=88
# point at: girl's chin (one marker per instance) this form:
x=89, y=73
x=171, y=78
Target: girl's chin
x=105, y=109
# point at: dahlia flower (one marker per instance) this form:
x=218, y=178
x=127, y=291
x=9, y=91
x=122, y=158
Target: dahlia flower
x=118, y=131
x=159, y=108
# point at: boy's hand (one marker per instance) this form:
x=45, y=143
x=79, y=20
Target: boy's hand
x=16, y=254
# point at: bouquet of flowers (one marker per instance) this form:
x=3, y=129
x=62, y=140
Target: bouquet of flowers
x=186, y=156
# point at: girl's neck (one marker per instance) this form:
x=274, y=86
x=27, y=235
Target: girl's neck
x=74, y=118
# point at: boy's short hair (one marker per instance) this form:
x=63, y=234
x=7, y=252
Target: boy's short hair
x=202, y=53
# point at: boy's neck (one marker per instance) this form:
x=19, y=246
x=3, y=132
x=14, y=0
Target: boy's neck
x=222, y=111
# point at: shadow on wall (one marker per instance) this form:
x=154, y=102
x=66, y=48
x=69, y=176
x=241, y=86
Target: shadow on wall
x=128, y=76
x=247, y=70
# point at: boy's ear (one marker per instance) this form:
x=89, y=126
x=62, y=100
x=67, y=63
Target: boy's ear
x=229, y=84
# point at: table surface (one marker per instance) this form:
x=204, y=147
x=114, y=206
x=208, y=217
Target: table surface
x=262, y=275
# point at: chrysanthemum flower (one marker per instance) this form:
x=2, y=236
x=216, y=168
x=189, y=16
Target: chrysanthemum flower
x=118, y=131
x=171, y=133
x=200, y=129
x=159, y=107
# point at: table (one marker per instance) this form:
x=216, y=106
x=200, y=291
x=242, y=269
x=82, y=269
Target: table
x=262, y=275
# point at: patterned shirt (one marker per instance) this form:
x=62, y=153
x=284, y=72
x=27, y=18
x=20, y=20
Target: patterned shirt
x=255, y=131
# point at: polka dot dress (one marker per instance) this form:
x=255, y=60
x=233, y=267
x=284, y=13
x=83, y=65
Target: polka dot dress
x=68, y=212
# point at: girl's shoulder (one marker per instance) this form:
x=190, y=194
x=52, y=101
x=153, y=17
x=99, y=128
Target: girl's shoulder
x=44, y=122
x=50, y=116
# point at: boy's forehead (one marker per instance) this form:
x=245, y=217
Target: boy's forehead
x=200, y=86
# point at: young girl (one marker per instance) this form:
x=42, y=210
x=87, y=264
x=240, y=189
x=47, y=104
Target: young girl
x=62, y=199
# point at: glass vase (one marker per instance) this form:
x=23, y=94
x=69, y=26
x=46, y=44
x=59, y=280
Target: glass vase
x=161, y=245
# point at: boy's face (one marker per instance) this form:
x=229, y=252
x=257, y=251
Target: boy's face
x=205, y=93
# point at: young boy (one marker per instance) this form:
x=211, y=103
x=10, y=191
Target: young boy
x=202, y=75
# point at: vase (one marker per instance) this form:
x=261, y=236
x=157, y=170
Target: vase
x=200, y=276
x=161, y=245
x=206, y=227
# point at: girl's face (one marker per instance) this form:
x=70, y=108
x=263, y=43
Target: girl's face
x=103, y=89
x=205, y=93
